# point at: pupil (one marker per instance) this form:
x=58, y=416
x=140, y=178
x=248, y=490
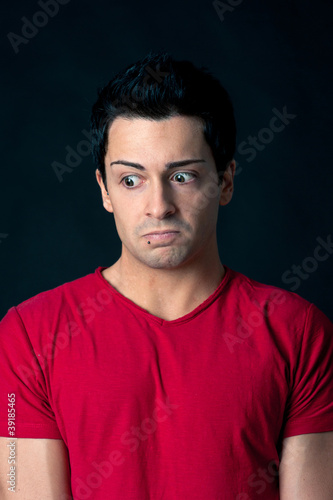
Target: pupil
x=180, y=177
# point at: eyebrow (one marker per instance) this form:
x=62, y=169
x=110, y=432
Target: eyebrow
x=168, y=166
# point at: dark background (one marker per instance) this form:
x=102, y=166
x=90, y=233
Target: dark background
x=267, y=54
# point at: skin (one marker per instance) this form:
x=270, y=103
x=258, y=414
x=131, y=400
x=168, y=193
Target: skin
x=41, y=470
x=163, y=276
x=305, y=471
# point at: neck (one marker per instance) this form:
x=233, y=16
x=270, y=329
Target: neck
x=167, y=293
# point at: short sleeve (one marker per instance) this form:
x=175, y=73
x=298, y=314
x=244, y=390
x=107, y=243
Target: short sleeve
x=309, y=407
x=22, y=378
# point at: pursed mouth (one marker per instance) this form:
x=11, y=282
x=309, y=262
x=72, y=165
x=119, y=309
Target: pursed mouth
x=161, y=232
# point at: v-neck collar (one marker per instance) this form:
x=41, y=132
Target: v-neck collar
x=150, y=317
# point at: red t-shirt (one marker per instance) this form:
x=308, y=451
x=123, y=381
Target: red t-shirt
x=194, y=408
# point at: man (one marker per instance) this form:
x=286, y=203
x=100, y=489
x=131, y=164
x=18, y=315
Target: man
x=166, y=375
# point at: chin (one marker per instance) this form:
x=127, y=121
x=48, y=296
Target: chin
x=171, y=261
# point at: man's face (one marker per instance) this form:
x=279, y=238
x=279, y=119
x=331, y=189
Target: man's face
x=156, y=196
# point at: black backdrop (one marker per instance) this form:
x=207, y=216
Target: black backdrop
x=273, y=58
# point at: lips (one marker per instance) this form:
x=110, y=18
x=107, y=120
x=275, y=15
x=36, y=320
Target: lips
x=162, y=237
x=161, y=232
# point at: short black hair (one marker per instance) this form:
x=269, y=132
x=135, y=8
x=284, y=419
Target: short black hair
x=158, y=87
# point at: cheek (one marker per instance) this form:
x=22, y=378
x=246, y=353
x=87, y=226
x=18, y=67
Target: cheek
x=203, y=206
x=126, y=220
x=121, y=219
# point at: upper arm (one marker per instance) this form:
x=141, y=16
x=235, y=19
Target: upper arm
x=306, y=467
x=41, y=469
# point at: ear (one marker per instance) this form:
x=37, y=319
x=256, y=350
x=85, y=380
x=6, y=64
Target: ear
x=228, y=183
x=105, y=196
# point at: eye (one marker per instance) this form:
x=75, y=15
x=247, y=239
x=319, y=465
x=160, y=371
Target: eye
x=181, y=176
x=129, y=181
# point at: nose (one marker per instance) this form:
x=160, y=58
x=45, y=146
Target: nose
x=159, y=203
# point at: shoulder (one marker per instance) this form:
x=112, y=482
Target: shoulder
x=277, y=317
x=278, y=309
x=267, y=297
x=51, y=302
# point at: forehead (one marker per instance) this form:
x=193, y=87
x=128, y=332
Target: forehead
x=136, y=134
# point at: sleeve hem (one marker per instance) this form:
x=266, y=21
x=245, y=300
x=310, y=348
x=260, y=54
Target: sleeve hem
x=309, y=426
x=38, y=431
